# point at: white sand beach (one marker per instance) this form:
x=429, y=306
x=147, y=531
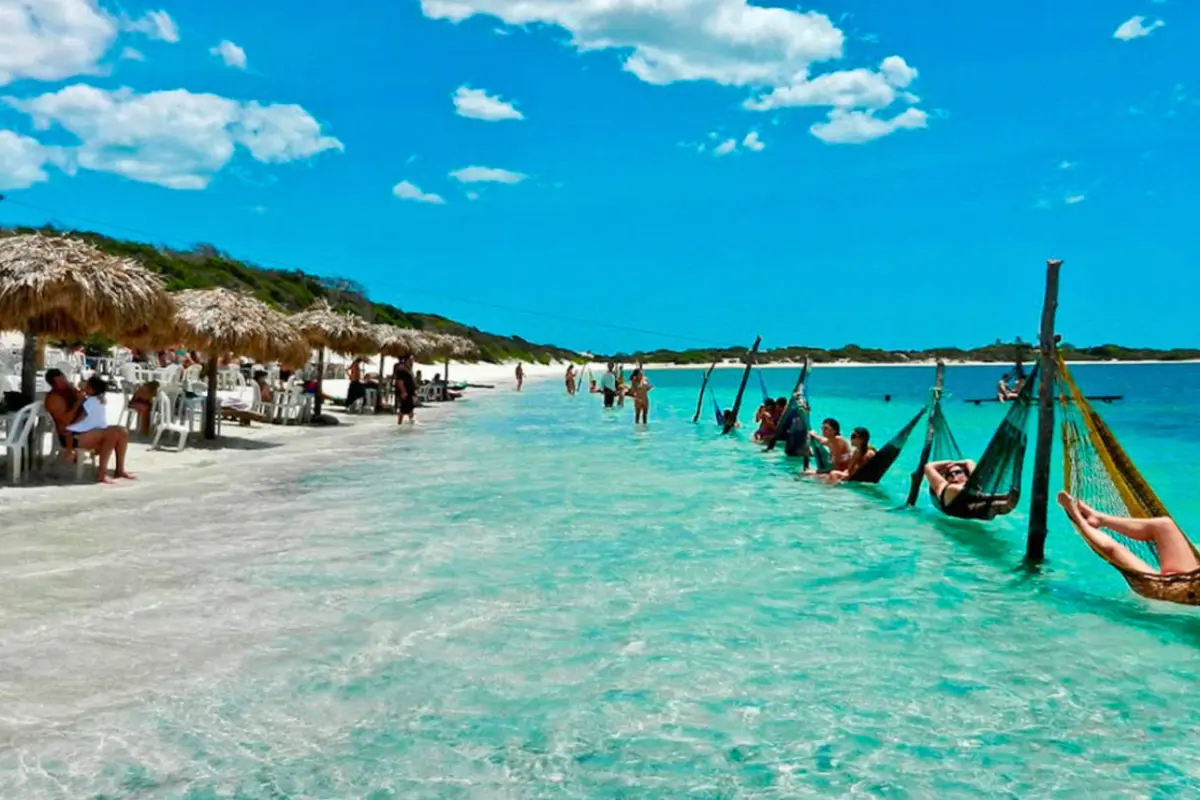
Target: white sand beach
x=267, y=447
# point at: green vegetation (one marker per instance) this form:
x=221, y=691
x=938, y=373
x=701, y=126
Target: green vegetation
x=205, y=266
x=999, y=352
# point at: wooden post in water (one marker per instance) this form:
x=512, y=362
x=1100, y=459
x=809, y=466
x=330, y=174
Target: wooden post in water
x=1035, y=541
x=737, y=403
x=703, y=386
x=919, y=475
x=780, y=431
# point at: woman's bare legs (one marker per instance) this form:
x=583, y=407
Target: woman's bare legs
x=1174, y=552
x=1116, y=552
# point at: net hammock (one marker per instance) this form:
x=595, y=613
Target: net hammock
x=994, y=486
x=720, y=415
x=874, y=470
x=1097, y=470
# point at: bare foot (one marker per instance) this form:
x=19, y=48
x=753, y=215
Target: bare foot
x=104, y=479
x=1065, y=500
x=1089, y=513
x=129, y=476
x=1071, y=506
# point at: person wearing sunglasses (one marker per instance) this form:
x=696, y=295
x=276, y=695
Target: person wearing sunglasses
x=948, y=478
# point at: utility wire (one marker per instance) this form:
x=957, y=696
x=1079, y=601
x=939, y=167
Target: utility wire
x=432, y=296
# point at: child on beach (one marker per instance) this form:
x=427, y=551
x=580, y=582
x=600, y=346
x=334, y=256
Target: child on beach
x=640, y=388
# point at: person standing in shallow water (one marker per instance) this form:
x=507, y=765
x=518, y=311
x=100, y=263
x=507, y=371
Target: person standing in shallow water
x=570, y=379
x=406, y=391
x=608, y=384
x=640, y=388
x=520, y=377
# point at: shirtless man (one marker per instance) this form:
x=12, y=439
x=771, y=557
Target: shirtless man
x=839, y=449
x=64, y=403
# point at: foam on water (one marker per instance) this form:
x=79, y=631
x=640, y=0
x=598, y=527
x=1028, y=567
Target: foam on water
x=538, y=600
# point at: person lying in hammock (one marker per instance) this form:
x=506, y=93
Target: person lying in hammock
x=831, y=437
x=861, y=453
x=1175, y=555
x=947, y=479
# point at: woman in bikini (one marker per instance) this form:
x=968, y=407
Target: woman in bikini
x=861, y=453
x=640, y=388
x=948, y=478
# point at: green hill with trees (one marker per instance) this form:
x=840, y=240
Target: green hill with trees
x=205, y=266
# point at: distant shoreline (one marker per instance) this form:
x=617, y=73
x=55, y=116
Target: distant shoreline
x=854, y=364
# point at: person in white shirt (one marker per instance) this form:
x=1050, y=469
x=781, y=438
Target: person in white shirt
x=608, y=385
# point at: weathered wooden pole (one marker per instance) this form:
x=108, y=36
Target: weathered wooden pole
x=211, y=401
x=319, y=399
x=29, y=366
x=703, y=386
x=780, y=430
x=737, y=403
x=1035, y=542
x=919, y=475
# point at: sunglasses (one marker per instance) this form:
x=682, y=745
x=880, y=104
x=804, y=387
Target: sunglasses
x=956, y=471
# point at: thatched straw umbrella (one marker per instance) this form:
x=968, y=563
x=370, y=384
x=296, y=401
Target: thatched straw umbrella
x=397, y=343
x=218, y=321
x=450, y=346
x=343, y=333
x=65, y=287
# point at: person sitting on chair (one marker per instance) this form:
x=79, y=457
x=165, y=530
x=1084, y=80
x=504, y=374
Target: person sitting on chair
x=947, y=479
x=80, y=422
x=1175, y=554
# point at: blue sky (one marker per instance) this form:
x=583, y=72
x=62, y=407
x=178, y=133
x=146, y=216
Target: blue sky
x=639, y=174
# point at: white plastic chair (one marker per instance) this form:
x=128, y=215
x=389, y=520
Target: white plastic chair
x=20, y=436
x=165, y=422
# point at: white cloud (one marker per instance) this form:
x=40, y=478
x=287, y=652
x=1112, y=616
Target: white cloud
x=486, y=175
x=408, y=191
x=173, y=138
x=23, y=161
x=1072, y=199
x=725, y=148
x=852, y=88
x=48, y=40
x=154, y=24
x=478, y=104
x=726, y=41
x=855, y=127
x=132, y=54
x=752, y=142
x=1136, y=28
x=231, y=54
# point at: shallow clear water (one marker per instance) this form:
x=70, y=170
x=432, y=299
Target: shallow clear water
x=536, y=599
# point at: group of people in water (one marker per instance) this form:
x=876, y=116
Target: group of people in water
x=614, y=389
x=846, y=456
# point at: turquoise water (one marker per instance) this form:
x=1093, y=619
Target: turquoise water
x=535, y=599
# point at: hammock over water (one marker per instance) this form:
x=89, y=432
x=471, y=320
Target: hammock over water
x=994, y=486
x=1097, y=470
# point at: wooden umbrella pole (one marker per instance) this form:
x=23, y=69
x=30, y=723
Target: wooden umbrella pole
x=737, y=403
x=919, y=475
x=446, y=377
x=703, y=386
x=319, y=399
x=1035, y=542
x=29, y=367
x=210, y=403
x=379, y=386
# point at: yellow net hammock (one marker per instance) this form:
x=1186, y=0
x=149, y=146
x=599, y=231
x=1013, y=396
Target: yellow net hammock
x=1097, y=470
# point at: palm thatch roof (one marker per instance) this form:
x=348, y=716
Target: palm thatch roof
x=224, y=321
x=64, y=286
x=342, y=333
x=399, y=342
x=447, y=345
